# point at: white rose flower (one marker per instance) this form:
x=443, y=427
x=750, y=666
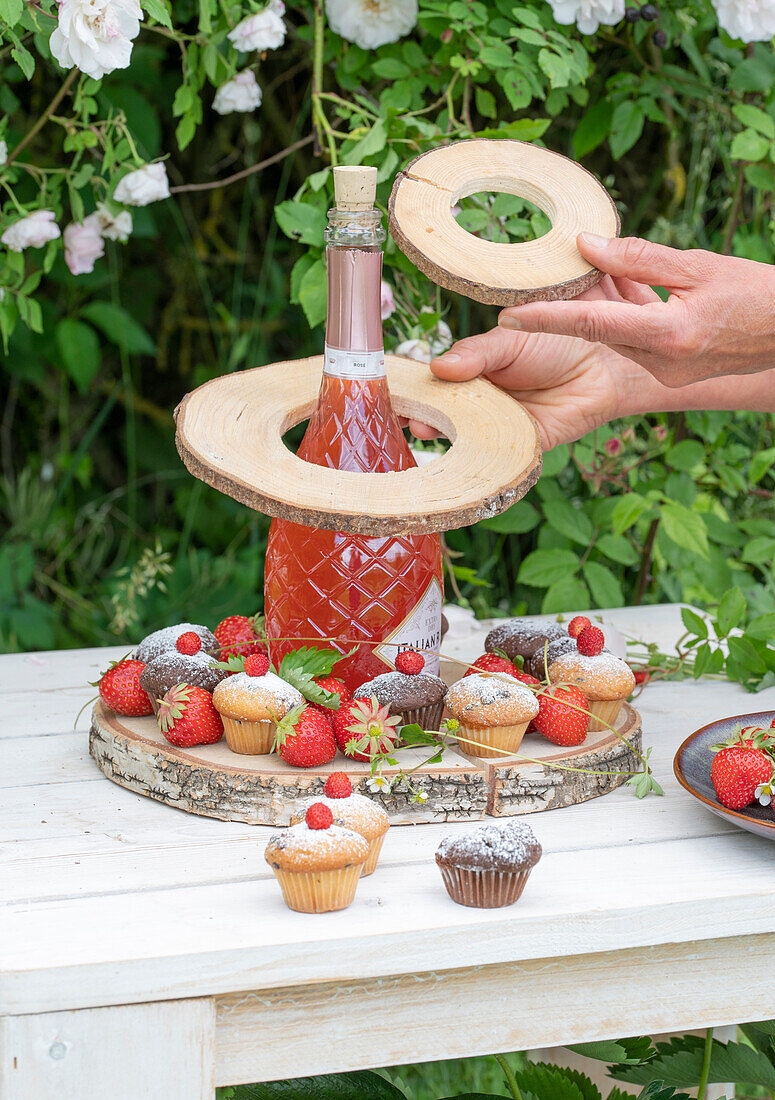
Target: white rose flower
x=33, y=231
x=263, y=31
x=277, y=6
x=387, y=302
x=240, y=94
x=420, y=350
x=371, y=23
x=83, y=245
x=588, y=14
x=114, y=227
x=146, y=184
x=3, y=152
x=441, y=338
x=95, y=36
x=751, y=20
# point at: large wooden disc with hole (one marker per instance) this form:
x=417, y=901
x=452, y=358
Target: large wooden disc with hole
x=549, y=268
x=263, y=790
x=229, y=434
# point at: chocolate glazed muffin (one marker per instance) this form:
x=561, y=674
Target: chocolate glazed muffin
x=488, y=867
x=171, y=668
x=161, y=641
x=415, y=698
x=523, y=637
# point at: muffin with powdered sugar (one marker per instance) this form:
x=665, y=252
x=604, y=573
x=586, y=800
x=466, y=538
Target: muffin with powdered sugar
x=489, y=866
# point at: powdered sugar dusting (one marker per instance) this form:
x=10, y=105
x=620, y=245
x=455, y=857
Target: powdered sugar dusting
x=603, y=676
x=171, y=668
x=270, y=685
x=492, y=700
x=523, y=628
x=511, y=846
x=354, y=812
x=302, y=848
x=488, y=689
x=160, y=641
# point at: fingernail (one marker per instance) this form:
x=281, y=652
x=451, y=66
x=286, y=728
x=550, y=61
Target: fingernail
x=509, y=322
x=595, y=240
x=448, y=357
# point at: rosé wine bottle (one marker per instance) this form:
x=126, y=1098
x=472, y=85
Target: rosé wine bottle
x=379, y=594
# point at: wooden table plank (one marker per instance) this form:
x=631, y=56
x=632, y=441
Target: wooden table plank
x=195, y=941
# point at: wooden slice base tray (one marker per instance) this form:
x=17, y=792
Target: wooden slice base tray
x=263, y=790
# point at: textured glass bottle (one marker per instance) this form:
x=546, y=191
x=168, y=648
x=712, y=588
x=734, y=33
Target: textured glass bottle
x=384, y=593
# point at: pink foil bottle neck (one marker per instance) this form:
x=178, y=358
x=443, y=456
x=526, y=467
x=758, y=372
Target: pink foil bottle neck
x=353, y=321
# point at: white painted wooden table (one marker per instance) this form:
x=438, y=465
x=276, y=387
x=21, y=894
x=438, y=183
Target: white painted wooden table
x=148, y=953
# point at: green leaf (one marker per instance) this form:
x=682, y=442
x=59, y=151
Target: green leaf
x=749, y=145
x=685, y=455
x=679, y=1062
x=157, y=10
x=569, y=592
x=555, y=460
x=544, y=567
x=547, y=1081
x=312, y=293
x=749, y=655
x=301, y=222
x=617, y=548
x=761, y=462
x=694, y=623
x=11, y=11
x=755, y=118
x=593, y=128
x=759, y=551
x=569, y=520
x=300, y=269
x=626, y=127
x=363, y=1085
x=628, y=511
x=120, y=327
x=731, y=611
x=605, y=588
x=79, y=350
x=762, y=628
x=624, y=1052
x=685, y=528
x=390, y=68
x=302, y=666
x=556, y=68
x=373, y=142
x=24, y=60
x=516, y=520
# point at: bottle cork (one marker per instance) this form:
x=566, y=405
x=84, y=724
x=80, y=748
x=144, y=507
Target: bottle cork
x=355, y=186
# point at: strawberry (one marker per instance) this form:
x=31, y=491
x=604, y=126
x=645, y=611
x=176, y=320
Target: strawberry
x=318, y=816
x=575, y=626
x=188, y=643
x=365, y=721
x=642, y=675
x=590, y=641
x=336, y=687
x=304, y=738
x=490, y=662
x=238, y=636
x=187, y=717
x=525, y=677
x=410, y=662
x=256, y=664
x=736, y=772
x=338, y=785
x=557, y=721
x=120, y=688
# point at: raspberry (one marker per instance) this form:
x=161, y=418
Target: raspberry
x=410, y=662
x=319, y=816
x=188, y=643
x=590, y=641
x=575, y=626
x=257, y=664
x=338, y=785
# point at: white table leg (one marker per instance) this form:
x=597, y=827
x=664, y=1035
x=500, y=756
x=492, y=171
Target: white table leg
x=125, y=1053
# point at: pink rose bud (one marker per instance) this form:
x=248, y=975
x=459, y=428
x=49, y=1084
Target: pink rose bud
x=613, y=446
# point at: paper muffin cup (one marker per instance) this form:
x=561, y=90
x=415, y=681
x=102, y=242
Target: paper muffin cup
x=249, y=738
x=319, y=891
x=483, y=889
x=604, y=713
x=490, y=739
x=428, y=717
x=375, y=848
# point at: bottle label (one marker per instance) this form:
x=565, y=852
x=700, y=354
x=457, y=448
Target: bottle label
x=421, y=629
x=354, y=364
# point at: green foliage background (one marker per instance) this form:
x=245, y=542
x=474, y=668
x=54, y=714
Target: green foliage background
x=96, y=505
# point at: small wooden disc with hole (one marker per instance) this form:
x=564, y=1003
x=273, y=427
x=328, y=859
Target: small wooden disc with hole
x=229, y=434
x=547, y=269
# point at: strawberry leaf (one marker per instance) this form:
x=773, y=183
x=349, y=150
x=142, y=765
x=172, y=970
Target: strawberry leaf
x=300, y=668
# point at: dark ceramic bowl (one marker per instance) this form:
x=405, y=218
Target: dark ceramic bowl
x=692, y=768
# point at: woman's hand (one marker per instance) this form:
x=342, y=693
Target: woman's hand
x=719, y=318
x=569, y=385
